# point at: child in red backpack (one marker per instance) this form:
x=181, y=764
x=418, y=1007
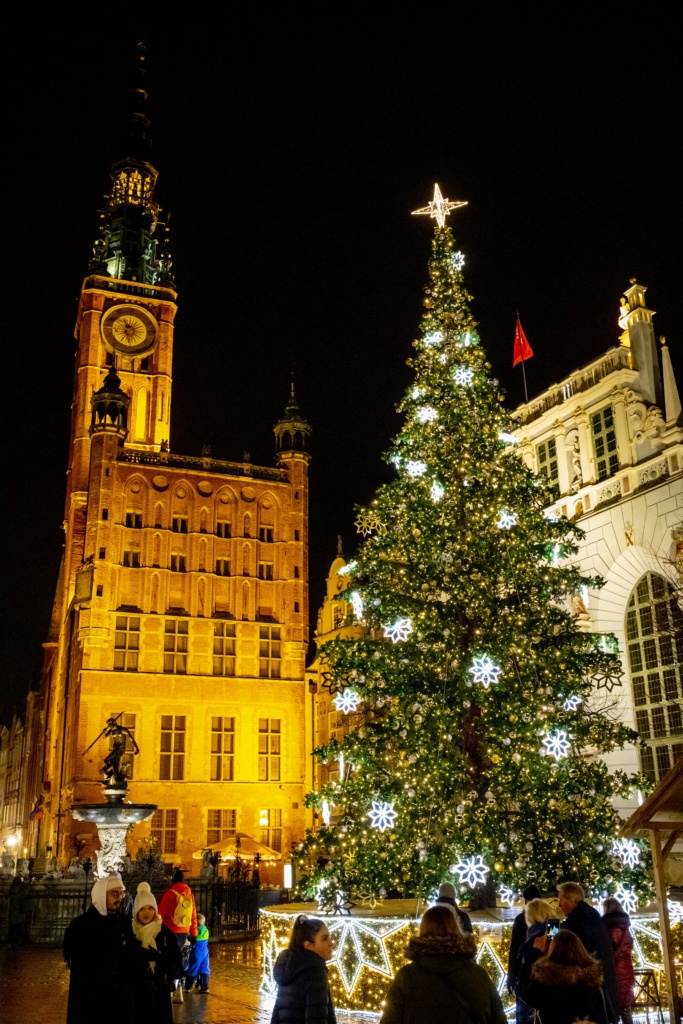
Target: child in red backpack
x=179, y=914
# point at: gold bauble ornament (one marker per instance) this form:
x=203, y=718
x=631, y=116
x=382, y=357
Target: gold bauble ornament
x=499, y=866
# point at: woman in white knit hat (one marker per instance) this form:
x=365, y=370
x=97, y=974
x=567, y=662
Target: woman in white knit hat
x=156, y=961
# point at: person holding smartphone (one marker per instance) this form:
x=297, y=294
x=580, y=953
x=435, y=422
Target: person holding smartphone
x=538, y=916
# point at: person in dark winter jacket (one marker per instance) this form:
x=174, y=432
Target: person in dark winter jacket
x=96, y=950
x=585, y=922
x=303, y=994
x=447, y=896
x=566, y=982
x=618, y=925
x=537, y=913
x=155, y=962
x=518, y=937
x=443, y=984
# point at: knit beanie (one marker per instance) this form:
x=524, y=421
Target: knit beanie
x=98, y=895
x=446, y=894
x=144, y=898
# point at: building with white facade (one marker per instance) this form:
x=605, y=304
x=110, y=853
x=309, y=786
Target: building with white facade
x=609, y=439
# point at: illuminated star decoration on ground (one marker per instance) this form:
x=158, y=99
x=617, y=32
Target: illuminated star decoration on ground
x=627, y=898
x=556, y=744
x=628, y=851
x=426, y=414
x=399, y=630
x=439, y=208
x=437, y=492
x=484, y=670
x=382, y=815
x=471, y=871
x=571, y=703
x=463, y=375
x=358, y=944
x=347, y=701
x=506, y=520
x=506, y=895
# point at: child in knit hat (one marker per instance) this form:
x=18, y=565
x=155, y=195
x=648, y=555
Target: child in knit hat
x=198, y=970
x=156, y=961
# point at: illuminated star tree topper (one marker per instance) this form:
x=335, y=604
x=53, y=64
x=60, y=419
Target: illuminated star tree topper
x=439, y=208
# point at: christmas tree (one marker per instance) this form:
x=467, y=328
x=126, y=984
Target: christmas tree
x=476, y=756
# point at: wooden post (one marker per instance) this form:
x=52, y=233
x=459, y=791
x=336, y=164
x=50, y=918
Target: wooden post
x=667, y=950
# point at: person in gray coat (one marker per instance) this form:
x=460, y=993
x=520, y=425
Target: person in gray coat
x=443, y=984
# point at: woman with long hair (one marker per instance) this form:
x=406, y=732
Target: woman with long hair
x=536, y=914
x=443, y=984
x=618, y=925
x=303, y=993
x=566, y=982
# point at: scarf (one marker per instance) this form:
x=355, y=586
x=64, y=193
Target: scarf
x=147, y=933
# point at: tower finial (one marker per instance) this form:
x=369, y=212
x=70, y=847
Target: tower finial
x=439, y=208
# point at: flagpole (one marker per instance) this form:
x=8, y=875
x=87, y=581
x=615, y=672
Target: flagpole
x=526, y=393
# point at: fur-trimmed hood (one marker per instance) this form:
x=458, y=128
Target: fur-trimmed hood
x=547, y=972
x=442, y=945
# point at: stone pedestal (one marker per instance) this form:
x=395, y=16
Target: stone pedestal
x=113, y=819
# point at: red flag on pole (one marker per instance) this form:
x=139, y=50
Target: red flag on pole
x=522, y=349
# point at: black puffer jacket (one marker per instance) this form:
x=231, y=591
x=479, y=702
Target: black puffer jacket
x=443, y=985
x=303, y=994
x=563, y=995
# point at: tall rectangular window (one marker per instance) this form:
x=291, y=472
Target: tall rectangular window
x=127, y=643
x=221, y=824
x=270, y=823
x=134, y=520
x=265, y=570
x=546, y=454
x=269, y=652
x=178, y=562
x=269, y=750
x=128, y=759
x=265, y=534
x=223, y=528
x=175, y=646
x=179, y=524
x=604, y=443
x=164, y=832
x=172, y=747
x=222, y=566
x=222, y=749
x=224, y=648
x=131, y=558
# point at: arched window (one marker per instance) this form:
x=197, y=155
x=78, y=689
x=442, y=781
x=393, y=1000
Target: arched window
x=654, y=636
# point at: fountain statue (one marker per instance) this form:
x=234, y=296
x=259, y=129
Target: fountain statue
x=114, y=817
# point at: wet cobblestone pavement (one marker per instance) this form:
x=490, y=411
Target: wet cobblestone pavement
x=35, y=983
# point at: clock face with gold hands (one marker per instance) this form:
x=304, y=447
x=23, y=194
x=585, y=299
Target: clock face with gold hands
x=130, y=330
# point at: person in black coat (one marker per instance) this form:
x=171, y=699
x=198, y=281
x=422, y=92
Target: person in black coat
x=96, y=950
x=447, y=896
x=585, y=922
x=537, y=913
x=303, y=995
x=565, y=983
x=518, y=937
x=155, y=962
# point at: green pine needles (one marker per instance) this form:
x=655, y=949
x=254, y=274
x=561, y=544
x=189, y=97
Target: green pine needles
x=476, y=756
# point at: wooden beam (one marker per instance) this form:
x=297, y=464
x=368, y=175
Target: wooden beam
x=667, y=947
x=669, y=844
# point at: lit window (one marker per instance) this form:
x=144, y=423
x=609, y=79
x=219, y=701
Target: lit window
x=164, y=834
x=270, y=824
x=269, y=750
x=604, y=443
x=172, y=748
x=126, y=643
x=269, y=652
x=222, y=749
x=175, y=646
x=223, y=649
x=221, y=824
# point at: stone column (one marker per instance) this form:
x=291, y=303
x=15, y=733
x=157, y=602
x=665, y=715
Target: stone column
x=621, y=428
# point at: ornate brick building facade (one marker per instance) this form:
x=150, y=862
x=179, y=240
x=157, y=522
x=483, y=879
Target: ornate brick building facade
x=182, y=602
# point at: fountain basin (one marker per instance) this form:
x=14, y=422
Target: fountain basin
x=113, y=814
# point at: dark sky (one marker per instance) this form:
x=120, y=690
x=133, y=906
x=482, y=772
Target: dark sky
x=291, y=150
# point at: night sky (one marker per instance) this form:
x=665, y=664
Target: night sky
x=291, y=150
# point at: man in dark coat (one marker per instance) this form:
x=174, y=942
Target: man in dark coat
x=96, y=951
x=518, y=937
x=447, y=896
x=585, y=922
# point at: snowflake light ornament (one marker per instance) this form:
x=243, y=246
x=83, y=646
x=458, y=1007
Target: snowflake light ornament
x=347, y=701
x=382, y=815
x=628, y=851
x=551, y=516
x=556, y=744
x=571, y=703
x=433, y=338
x=357, y=603
x=399, y=630
x=364, y=524
x=675, y=911
x=627, y=898
x=457, y=261
x=463, y=375
x=326, y=812
x=506, y=895
x=506, y=520
x=484, y=670
x=426, y=414
x=346, y=569
x=507, y=438
x=437, y=492
x=471, y=871
x=415, y=468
